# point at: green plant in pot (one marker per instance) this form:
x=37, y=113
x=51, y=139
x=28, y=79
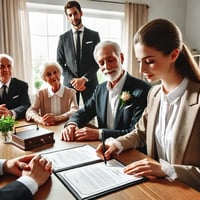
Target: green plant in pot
x=6, y=124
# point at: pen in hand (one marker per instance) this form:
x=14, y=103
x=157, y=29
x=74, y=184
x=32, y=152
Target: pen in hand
x=104, y=148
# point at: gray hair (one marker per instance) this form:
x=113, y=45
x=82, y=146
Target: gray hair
x=11, y=60
x=103, y=44
x=47, y=64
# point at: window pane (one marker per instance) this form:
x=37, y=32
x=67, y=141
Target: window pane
x=53, y=43
x=39, y=47
x=38, y=23
x=55, y=24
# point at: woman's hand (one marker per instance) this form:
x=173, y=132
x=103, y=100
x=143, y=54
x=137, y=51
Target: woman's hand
x=145, y=167
x=109, y=150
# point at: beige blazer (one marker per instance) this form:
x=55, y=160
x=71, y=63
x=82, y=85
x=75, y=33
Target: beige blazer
x=42, y=104
x=185, y=152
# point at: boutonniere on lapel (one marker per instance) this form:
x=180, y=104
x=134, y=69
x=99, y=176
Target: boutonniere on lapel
x=124, y=98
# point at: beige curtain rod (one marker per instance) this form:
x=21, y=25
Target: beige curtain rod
x=108, y=2
x=113, y=2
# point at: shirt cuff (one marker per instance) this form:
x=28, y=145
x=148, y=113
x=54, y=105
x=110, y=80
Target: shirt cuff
x=85, y=78
x=100, y=134
x=169, y=170
x=111, y=140
x=2, y=161
x=13, y=114
x=29, y=183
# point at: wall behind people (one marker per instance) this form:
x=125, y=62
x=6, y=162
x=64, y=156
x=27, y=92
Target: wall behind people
x=185, y=13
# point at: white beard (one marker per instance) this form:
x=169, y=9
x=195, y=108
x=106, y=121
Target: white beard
x=113, y=76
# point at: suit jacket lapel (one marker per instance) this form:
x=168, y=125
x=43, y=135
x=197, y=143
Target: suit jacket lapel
x=71, y=43
x=153, y=110
x=104, y=100
x=183, y=129
x=120, y=110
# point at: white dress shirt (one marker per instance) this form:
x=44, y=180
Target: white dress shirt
x=75, y=37
x=56, y=99
x=113, y=100
x=169, y=109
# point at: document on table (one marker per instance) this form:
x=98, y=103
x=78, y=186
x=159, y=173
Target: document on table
x=97, y=179
x=72, y=157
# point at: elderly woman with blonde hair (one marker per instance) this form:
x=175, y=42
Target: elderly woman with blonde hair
x=55, y=103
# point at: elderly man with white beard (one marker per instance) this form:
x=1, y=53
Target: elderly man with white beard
x=117, y=103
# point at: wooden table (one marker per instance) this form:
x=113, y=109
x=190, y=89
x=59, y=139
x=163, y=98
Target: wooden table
x=157, y=189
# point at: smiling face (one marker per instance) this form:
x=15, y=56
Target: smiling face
x=109, y=62
x=74, y=16
x=5, y=70
x=153, y=64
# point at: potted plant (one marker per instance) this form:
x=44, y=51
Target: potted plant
x=6, y=124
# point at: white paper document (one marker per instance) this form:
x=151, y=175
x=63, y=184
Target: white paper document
x=68, y=158
x=94, y=179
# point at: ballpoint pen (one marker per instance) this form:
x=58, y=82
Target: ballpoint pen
x=104, y=148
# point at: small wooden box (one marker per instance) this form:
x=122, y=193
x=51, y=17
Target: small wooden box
x=34, y=137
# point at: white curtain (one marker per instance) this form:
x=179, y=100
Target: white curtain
x=15, y=37
x=135, y=16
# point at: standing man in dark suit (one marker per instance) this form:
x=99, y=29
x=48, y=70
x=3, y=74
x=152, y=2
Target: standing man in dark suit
x=14, y=98
x=117, y=103
x=76, y=59
x=33, y=171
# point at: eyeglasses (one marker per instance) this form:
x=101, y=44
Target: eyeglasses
x=4, y=66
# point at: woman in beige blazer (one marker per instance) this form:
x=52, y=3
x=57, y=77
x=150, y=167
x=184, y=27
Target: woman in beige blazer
x=170, y=124
x=55, y=103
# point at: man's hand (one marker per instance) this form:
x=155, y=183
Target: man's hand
x=4, y=111
x=86, y=134
x=68, y=133
x=16, y=165
x=40, y=170
x=78, y=84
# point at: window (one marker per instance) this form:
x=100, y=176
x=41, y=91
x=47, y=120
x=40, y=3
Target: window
x=48, y=22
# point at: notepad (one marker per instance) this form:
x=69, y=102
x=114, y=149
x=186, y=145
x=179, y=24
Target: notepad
x=89, y=177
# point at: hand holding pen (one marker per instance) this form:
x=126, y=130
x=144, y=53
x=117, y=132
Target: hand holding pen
x=104, y=151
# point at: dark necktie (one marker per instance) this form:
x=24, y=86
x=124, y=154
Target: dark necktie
x=4, y=94
x=78, y=47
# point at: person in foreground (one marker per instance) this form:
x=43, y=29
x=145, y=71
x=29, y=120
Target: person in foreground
x=33, y=171
x=170, y=123
x=14, y=98
x=55, y=103
x=75, y=54
x=117, y=103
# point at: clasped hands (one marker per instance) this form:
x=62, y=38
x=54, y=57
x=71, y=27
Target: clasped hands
x=4, y=111
x=73, y=133
x=48, y=119
x=78, y=84
x=146, y=167
x=34, y=166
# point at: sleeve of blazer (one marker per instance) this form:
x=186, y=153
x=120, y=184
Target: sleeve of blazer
x=24, y=101
x=64, y=51
x=85, y=114
x=15, y=191
x=88, y=58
